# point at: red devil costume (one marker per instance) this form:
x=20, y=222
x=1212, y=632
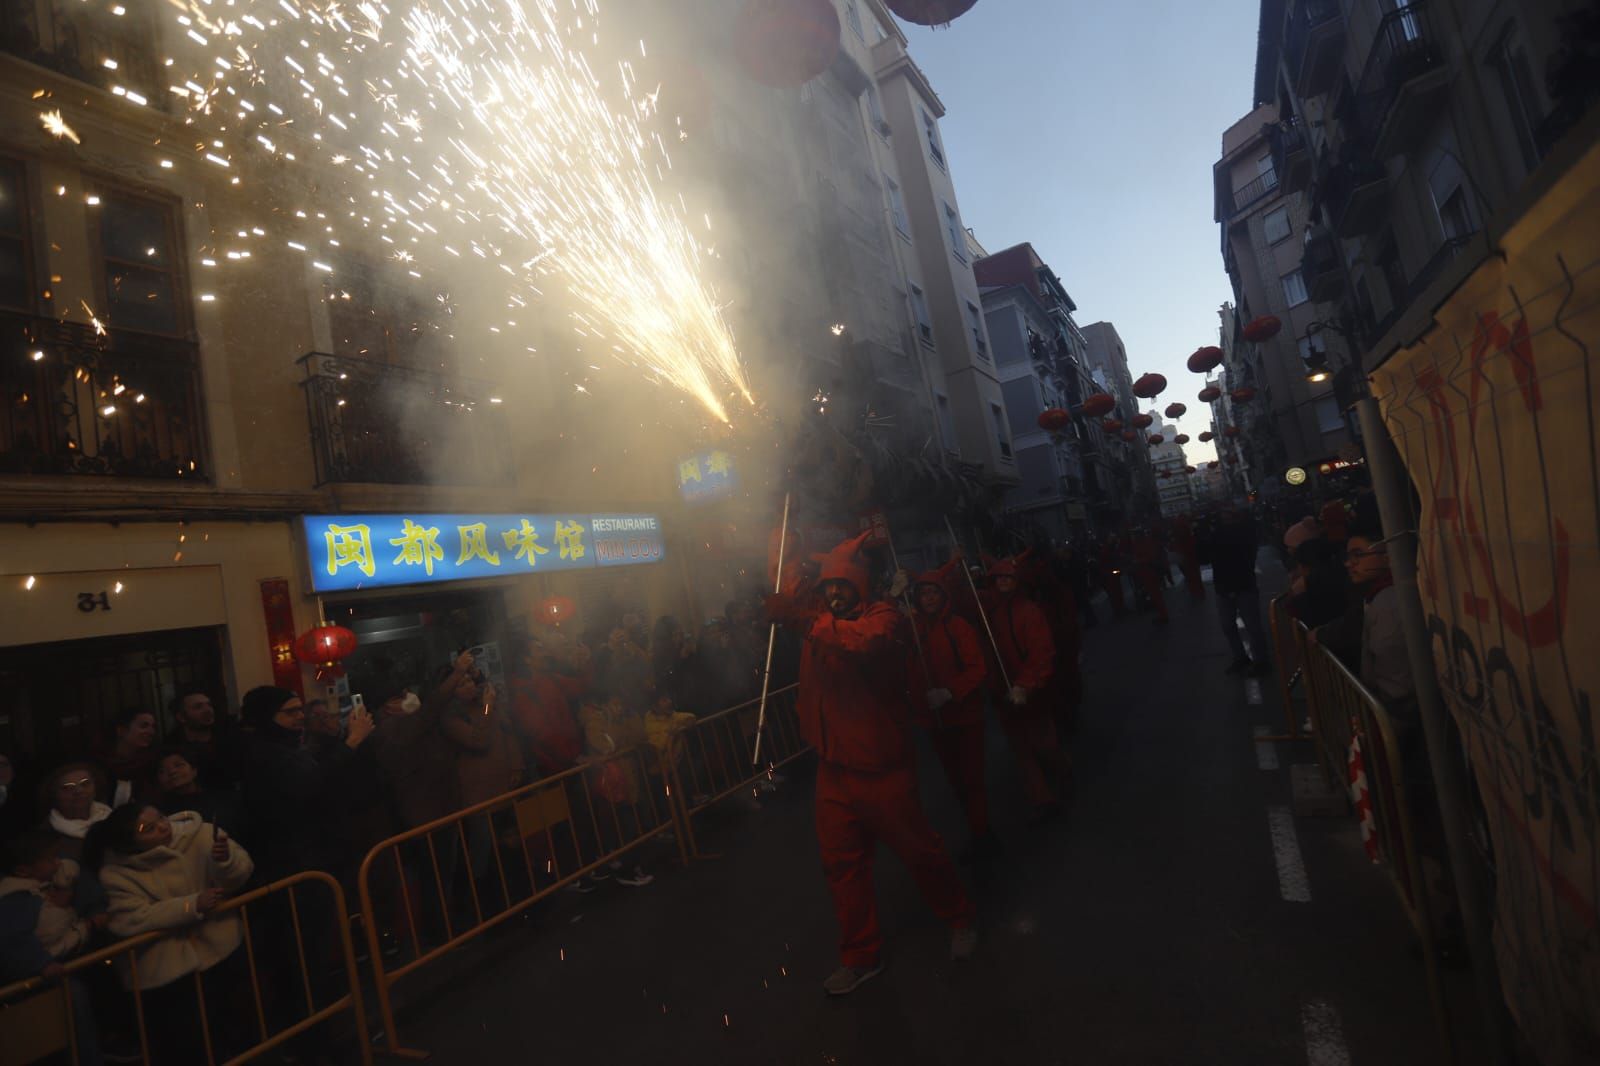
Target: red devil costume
x=853, y=711
x=1054, y=597
x=1148, y=554
x=1188, y=557
x=1027, y=653
x=947, y=692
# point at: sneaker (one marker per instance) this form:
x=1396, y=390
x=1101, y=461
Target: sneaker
x=963, y=942
x=637, y=879
x=846, y=979
x=1238, y=666
x=582, y=886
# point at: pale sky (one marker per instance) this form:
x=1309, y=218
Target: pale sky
x=1090, y=130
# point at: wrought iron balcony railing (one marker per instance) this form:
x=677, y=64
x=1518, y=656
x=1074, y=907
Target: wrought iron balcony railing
x=384, y=424
x=75, y=399
x=1291, y=154
x=1404, y=51
x=1313, y=44
x=1259, y=189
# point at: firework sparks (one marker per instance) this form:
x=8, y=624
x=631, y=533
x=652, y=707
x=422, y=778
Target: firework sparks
x=477, y=129
x=57, y=126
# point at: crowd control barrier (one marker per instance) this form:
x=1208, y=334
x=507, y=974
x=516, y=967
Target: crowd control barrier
x=1357, y=736
x=427, y=891
x=1287, y=662
x=287, y=989
x=713, y=759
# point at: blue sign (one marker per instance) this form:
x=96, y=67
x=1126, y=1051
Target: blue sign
x=374, y=551
x=707, y=477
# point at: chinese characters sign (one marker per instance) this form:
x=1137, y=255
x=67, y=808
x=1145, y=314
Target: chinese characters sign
x=707, y=477
x=372, y=551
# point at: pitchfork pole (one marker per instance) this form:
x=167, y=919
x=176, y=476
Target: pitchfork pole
x=987, y=628
x=772, y=636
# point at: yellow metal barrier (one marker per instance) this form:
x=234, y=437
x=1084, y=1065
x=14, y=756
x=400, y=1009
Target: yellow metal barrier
x=1286, y=661
x=713, y=758
x=445, y=883
x=1343, y=709
x=36, y=1015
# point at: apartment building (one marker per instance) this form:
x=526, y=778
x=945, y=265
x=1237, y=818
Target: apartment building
x=1040, y=357
x=1294, y=422
x=1131, y=495
x=1167, y=459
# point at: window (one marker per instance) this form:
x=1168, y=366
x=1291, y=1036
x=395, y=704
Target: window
x=1264, y=168
x=1455, y=217
x=958, y=239
x=1510, y=59
x=852, y=15
x=1276, y=225
x=138, y=253
x=875, y=110
x=919, y=308
x=935, y=148
x=1294, y=289
x=897, y=208
x=1313, y=343
x=975, y=318
x=368, y=319
x=15, y=290
x=947, y=423
x=999, y=417
x=1329, y=418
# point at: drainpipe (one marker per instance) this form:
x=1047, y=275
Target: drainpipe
x=1393, y=490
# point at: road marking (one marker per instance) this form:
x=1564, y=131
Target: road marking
x=1293, y=884
x=1324, y=1032
x=1266, y=750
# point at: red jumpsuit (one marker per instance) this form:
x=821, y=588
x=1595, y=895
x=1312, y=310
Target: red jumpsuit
x=1188, y=558
x=852, y=708
x=1147, y=556
x=955, y=663
x=541, y=709
x=1060, y=609
x=1027, y=653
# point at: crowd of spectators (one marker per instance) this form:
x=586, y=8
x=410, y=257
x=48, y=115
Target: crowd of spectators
x=156, y=824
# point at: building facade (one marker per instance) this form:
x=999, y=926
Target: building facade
x=1130, y=496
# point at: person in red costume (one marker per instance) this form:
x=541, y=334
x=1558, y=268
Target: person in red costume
x=1188, y=557
x=541, y=706
x=1028, y=661
x=1149, y=560
x=853, y=711
x=950, y=708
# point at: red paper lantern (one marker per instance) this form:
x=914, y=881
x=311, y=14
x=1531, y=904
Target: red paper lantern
x=786, y=43
x=1212, y=465
x=1190, y=470
x=1054, y=419
x=556, y=609
x=1206, y=435
x=1181, y=438
x=1149, y=385
x=1111, y=425
x=1243, y=395
x=930, y=12
x=1162, y=474
x=1262, y=329
x=1129, y=435
x=1099, y=404
x=1210, y=393
x=1176, y=410
x=1141, y=420
x=324, y=647
x=1156, y=438
x=1231, y=431
x=1205, y=359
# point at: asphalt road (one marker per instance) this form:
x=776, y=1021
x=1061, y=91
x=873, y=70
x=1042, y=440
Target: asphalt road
x=1161, y=921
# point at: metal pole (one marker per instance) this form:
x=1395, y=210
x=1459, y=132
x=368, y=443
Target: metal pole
x=911, y=616
x=1393, y=490
x=987, y=628
x=772, y=636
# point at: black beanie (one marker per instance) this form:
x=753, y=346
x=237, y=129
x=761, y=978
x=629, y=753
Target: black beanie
x=260, y=704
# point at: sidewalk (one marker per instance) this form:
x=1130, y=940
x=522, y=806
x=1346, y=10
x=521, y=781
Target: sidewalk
x=1148, y=927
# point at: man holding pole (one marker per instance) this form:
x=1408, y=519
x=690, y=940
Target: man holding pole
x=853, y=711
x=1022, y=685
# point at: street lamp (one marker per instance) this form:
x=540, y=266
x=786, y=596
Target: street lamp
x=1317, y=359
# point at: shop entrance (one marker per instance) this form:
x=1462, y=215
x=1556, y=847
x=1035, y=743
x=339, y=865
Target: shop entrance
x=57, y=700
x=408, y=641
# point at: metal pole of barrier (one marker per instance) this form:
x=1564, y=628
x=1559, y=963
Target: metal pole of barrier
x=1275, y=618
x=1393, y=490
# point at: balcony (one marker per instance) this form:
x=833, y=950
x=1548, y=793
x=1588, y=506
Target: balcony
x=1442, y=257
x=379, y=423
x=1314, y=45
x=1321, y=269
x=1355, y=190
x=127, y=42
x=1404, y=78
x=1263, y=187
x=1291, y=155
x=76, y=400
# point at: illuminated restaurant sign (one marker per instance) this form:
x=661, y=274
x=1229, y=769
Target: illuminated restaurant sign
x=708, y=476
x=374, y=551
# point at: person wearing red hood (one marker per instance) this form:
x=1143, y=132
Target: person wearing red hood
x=1148, y=555
x=1028, y=664
x=853, y=712
x=1188, y=557
x=954, y=668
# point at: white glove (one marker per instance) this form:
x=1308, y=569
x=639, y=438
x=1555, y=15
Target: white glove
x=1019, y=695
x=938, y=697
x=902, y=581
